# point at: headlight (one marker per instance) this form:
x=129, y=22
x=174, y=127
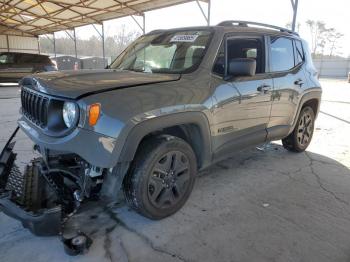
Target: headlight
x=70, y=113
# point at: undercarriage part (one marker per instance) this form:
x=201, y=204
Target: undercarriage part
x=7, y=158
x=77, y=245
x=24, y=199
x=15, y=194
x=95, y=171
x=48, y=192
x=27, y=188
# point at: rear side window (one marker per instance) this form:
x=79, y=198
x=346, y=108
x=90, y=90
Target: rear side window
x=28, y=58
x=282, y=54
x=299, y=52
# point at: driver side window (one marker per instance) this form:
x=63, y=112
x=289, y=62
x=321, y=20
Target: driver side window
x=237, y=48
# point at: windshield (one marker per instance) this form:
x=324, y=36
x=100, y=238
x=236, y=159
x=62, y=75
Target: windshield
x=164, y=52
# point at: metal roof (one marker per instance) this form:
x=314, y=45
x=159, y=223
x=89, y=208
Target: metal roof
x=37, y=17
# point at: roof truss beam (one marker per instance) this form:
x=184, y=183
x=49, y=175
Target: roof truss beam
x=38, y=17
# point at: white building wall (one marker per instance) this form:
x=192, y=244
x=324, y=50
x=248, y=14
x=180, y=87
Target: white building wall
x=23, y=44
x=332, y=67
x=3, y=43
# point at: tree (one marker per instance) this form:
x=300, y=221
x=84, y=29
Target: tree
x=317, y=32
x=322, y=38
x=333, y=37
x=114, y=45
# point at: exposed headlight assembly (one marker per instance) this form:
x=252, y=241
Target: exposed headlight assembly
x=70, y=113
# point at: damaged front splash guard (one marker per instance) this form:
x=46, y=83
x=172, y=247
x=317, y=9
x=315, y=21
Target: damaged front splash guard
x=42, y=222
x=7, y=158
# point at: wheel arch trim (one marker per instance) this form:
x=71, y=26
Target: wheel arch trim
x=310, y=95
x=141, y=130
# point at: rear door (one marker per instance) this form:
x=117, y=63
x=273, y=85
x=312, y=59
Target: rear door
x=242, y=104
x=286, y=65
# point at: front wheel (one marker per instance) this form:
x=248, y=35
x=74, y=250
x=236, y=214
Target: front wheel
x=161, y=177
x=301, y=136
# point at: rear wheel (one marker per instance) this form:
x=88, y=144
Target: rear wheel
x=161, y=177
x=301, y=136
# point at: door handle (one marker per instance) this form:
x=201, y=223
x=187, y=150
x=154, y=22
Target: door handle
x=298, y=82
x=264, y=88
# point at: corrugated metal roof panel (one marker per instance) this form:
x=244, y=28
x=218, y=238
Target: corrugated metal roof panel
x=42, y=17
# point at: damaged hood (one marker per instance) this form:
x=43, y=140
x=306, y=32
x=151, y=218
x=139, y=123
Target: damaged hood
x=74, y=84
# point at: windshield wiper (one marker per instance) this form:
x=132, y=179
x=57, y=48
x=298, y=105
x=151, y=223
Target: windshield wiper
x=134, y=70
x=166, y=71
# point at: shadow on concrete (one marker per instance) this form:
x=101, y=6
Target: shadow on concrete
x=269, y=200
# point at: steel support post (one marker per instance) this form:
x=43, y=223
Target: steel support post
x=209, y=11
x=295, y=11
x=75, y=43
x=8, y=43
x=143, y=26
x=54, y=44
x=206, y=16
x=103, y=45
x=38, y=44
x=102, y=37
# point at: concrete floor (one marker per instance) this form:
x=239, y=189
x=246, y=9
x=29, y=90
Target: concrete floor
x=269, y=205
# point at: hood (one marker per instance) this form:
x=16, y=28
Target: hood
x=74, y=84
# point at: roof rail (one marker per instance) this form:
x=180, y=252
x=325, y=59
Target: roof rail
x=246, y=23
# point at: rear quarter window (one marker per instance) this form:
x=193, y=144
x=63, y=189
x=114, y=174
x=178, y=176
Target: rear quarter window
x=282, y=54
x=28, y=58
x=299, y=52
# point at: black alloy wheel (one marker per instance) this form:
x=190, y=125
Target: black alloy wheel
x=169, y=180
x=302, y=134
x=161, y=177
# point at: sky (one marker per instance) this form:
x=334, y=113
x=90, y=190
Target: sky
x=335, y=13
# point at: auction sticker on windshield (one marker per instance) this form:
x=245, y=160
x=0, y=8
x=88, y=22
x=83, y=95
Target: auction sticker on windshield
x=184, y=38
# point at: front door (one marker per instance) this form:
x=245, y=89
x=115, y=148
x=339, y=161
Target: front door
x=242, y=105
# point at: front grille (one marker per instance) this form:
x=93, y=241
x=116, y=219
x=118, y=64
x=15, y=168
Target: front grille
x=35, y=107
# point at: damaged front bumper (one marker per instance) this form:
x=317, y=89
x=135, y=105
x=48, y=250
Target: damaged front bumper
x=41, y=221
x=47, y=222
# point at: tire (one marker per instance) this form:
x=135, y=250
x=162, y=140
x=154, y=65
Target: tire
x=302, y=134
x=161, y=177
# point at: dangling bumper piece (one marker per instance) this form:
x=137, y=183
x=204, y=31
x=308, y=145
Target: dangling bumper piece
x=13, y=200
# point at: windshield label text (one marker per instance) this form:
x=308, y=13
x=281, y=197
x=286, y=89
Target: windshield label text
x=184, y=38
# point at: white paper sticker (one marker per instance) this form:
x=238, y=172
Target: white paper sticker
x=184, y=38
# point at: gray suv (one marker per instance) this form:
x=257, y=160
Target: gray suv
x=174, y=102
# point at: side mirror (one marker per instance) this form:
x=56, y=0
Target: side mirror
x=241, y=67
